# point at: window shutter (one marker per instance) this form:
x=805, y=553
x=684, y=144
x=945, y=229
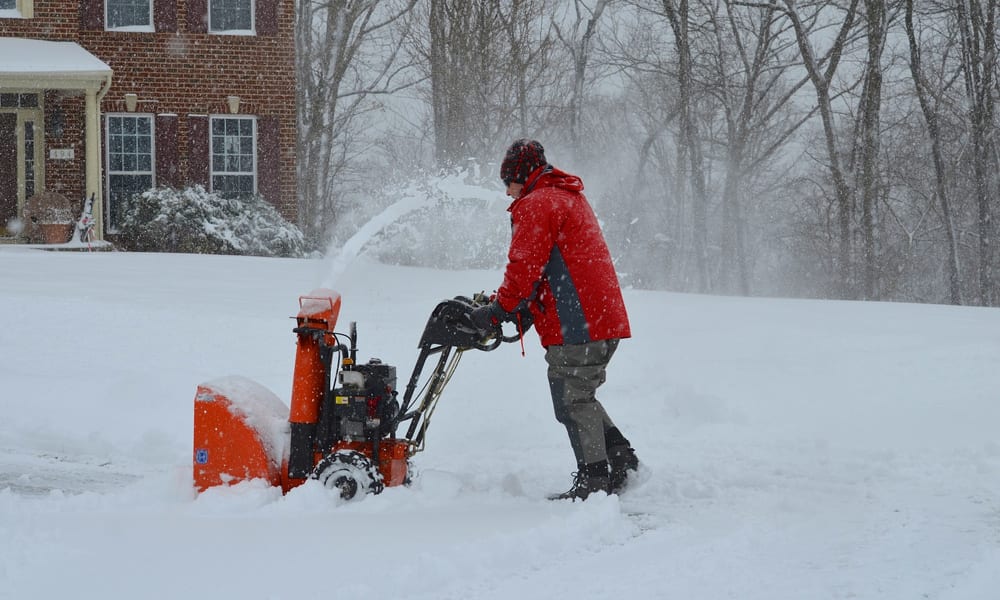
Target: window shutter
x=197, y=16
x=166, y=150
x=266, y=17
x=92, y=15
x=8, y=166
x=165, y=15
x=198, y=150
x=269, y=160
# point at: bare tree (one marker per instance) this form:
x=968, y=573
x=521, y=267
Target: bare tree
x=930, y=114
x=821, y=79
x=739, y=118
x=698, y=146
x=452, y=65
x=578, y=42
x=336, y=78
x=868, y=140
x=485, y=60
x=977, y=25
x=678, y=14
x=529, y=70
x=754, y=89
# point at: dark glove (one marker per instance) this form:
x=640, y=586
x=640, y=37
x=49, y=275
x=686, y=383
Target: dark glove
x=488, y=317
x=523, y=318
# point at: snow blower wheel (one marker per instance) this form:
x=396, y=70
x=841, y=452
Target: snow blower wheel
x=350, y=472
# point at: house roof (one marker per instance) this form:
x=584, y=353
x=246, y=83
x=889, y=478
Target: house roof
x=45, y=64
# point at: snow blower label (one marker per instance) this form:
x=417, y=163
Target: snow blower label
x=340, y=399
x=201, y=456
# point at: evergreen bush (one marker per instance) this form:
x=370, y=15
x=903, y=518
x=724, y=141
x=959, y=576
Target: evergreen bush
x=192, y=220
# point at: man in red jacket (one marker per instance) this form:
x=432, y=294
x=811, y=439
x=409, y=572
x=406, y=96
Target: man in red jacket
x=559, y=268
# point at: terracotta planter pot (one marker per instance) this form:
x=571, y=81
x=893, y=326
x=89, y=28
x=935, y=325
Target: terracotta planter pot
x=55, y=233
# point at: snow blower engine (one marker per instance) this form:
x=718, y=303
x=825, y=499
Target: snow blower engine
x=346, y=427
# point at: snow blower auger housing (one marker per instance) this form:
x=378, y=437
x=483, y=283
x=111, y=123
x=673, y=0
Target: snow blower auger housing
x=343, y=426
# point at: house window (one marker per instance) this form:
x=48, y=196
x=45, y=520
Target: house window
x=234, y=172
x=16, y=9
x=130, y=162
x=129, y=14
x=18, y=100
x=230, y=15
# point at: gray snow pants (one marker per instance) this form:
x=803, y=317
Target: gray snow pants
x=575, y=373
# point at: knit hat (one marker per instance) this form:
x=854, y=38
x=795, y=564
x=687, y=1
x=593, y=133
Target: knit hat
x=523, y=157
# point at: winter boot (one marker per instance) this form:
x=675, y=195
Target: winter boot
x=622, y=460
x=589, y=479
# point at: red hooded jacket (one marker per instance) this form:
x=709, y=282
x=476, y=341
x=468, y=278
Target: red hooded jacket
x=559, y=262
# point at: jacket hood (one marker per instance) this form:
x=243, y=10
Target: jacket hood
x=548, y=176
x=553, y=177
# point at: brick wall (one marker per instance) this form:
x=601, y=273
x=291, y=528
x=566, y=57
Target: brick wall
x=53, y=20
x=180, y=71
x=65, y=176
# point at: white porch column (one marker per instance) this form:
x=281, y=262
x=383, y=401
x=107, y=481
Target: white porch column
x=93, y=160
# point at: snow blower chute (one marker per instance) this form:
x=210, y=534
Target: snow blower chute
x=346, y=426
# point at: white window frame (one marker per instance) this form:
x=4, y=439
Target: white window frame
x=149, y=26
x=212, y=172
x=253, y=21
x=107, y=158
x=23, y=9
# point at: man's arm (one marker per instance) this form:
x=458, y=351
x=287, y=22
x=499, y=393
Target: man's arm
x=532, y=240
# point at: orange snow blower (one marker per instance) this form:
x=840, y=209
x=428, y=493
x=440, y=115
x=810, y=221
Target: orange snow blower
x=343, y=428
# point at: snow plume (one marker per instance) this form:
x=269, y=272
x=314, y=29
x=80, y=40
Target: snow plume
x=439, y=221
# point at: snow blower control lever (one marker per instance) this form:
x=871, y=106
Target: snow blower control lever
x=343, y=426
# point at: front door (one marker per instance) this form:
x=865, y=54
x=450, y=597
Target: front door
x=8, y=170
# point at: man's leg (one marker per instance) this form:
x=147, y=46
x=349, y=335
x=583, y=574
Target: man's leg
x=575, y=373
x=621, y=458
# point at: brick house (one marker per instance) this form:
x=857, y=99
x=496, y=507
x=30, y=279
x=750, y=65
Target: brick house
x=111, y=97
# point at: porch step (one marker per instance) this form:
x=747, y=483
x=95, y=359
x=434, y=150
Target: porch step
x=10, y=243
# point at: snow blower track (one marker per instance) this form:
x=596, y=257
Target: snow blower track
x=41, y=474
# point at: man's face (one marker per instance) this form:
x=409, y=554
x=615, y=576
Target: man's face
x=514, y=189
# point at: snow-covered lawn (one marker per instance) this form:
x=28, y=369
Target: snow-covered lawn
x=794, y=449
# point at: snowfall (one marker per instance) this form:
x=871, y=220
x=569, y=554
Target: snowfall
x=791, y=449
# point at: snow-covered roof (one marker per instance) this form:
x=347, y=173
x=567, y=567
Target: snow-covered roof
x=56, y=64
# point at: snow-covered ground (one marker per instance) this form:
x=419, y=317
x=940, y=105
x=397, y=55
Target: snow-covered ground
x=795, y=449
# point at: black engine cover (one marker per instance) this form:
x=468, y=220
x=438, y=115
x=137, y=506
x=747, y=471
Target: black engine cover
x=367, y=411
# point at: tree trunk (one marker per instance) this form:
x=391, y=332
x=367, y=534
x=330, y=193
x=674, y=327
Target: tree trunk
x=821, y=83
x=679, y=22
x=871, y=105
x=977, y=26
x=580, y=51
x=933, y=131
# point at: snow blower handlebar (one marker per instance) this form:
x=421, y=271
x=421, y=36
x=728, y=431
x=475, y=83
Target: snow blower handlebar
x=449, y=332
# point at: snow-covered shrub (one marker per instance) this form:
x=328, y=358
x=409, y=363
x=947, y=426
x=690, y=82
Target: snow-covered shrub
x=192, y=220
